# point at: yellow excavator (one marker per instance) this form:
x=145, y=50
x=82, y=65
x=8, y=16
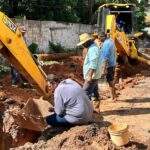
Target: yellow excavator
x=119, y=21
x=14, y=49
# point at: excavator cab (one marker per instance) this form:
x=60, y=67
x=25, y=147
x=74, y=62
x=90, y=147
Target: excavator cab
x=119, y=21
x=125, y=17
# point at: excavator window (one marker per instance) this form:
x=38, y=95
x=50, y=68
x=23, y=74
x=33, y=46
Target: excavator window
x=124, y=22
x=102, y=13
x=125, y=17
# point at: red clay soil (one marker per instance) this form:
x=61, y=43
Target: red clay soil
x=17, y=94
x=9, y=96
x=49, y=57
x=128, y=70
x=88, y=137
x=69, y=68
x=92, y=137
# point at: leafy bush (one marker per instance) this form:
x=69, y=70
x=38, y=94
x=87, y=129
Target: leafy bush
x=33, y=48
x=4, y=70
x=55, y=48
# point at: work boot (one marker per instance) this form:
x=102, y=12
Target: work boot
x=96, y=104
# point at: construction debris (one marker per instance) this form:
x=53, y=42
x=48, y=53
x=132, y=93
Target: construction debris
x=93, y=136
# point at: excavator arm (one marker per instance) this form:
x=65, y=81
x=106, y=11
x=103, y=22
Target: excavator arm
x=14, y=49
x=124, y=45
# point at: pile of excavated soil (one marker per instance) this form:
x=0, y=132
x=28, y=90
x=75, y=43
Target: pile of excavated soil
x=87, y=137
x=11, y=135
x=92, y=137
x=69, y=68
x=7, y=92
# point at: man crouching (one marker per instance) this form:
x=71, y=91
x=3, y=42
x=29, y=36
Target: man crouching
x=71, y=104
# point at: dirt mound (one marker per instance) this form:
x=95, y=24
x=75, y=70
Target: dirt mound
x=69, y=68
x=87, y=137
x=90, y=137
x=18, y=94
x=11, y=135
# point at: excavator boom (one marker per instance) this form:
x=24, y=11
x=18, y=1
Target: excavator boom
x=124, y=45
x=14, y=49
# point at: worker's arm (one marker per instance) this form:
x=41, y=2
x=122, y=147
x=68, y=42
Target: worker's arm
x=90, y=74
x=105, y=58
x=93, y=62
x=58, y=102
x=104, y=67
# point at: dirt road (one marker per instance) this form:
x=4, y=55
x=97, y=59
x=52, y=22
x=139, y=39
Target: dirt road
x=132, y=108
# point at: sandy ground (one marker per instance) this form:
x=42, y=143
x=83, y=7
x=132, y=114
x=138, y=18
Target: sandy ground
x=132, y=108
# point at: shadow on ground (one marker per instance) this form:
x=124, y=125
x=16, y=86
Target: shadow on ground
x=140, y=100
x=137, y=145
x=127, y=112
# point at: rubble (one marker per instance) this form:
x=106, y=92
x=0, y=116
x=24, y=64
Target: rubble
x=87, y=137
x=90, y=137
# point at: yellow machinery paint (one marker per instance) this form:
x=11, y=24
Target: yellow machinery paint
x=14, y=49
x=124, y=42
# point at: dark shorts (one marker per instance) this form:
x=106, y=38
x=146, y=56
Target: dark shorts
x=110, y=74
x=91, y=89
x=57, y=121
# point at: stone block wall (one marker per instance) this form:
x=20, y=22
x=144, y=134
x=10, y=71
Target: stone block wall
x=66, y=34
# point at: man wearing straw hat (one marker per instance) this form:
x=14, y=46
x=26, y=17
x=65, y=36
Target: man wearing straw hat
x=91, y=69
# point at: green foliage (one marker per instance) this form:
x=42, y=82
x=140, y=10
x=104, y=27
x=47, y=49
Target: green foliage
x=60, y=10
x=55, y=48
x=140, y=13
x=81, y=11
x=64, y=10
x=4, y=70
x=48, y=63
x=33, y=48
x=58, y=48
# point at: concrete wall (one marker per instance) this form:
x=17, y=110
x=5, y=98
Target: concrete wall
x=41, y=32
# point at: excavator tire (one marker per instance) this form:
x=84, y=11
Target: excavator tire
x=133, y=62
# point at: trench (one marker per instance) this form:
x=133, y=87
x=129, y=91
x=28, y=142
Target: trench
x=11, y=135
x=71, y=68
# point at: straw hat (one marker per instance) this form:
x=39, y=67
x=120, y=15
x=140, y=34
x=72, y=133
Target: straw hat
x=22, y=29
x=84, y=38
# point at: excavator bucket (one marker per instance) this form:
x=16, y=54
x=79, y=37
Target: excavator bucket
x=32, y=115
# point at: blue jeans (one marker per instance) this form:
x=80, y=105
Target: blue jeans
x=15, y=75
x=91, y=88
x=57, y=121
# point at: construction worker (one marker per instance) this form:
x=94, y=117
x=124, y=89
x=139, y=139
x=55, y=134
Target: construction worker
x=16, y=76
x=109, y=62
x=120, y=23
x=71, y=104
x=91, y=69
x=97, y=39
